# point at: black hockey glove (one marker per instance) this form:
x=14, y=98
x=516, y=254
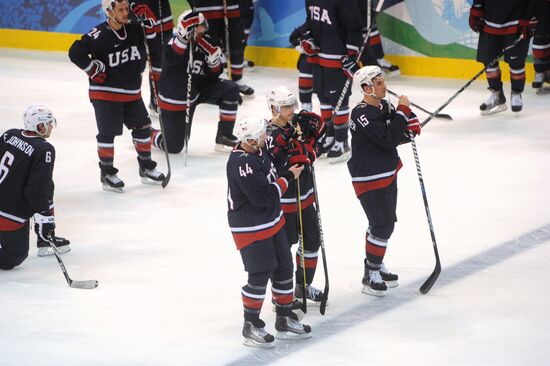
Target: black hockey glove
x=44, y=225
x=349, y=66
x=310, y=124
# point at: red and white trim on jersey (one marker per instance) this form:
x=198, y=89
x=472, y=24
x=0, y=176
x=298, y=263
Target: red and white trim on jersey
x=97, y=92
x=244, y=236
x=281, y=184
x=178, y=46
x=174, y=105
x=541, y=52
x=501, y=29
x=352, y=50
x=290, y=204
x=326, y=60
x=216, y=12
x=167, y=24
x=372, y=182
x=10, y=222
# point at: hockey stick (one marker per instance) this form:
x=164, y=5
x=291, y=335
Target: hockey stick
x=321, y=237
x=228, y=54
x=155, y=93
x=495, y=61
x=301, y=244
x=439, y=115
x=347, y=84
x=188, y=110
x=88, y=284
x=427, y=285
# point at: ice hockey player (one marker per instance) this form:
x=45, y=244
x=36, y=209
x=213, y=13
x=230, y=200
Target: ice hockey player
x=541, y=49
x=113, y=55
x=160, y=12
x=206, y=86
x=377, y=128
x=247, y=19
x=291, y=140
x=213, y=11
x=305, y=69
x=499, y=24
x=26, y=188
x=374, y=53
x=257, y=224
x=332, y=45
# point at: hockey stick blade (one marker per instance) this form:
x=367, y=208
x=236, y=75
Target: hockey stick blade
x=427, y=285
x=87, y=284
x=324, y=301
x=166, y=179
x=438, y=115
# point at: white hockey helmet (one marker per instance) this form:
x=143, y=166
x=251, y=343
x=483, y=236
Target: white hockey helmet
x=35, y=115
x=107, y=5
x=365, y=75
x=281, y=97
x=249, y=128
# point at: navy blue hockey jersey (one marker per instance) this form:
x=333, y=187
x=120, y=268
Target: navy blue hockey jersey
x=26, y=169
x=254, y=191
x=375, y=135
x=124, y=55
x=502, y=16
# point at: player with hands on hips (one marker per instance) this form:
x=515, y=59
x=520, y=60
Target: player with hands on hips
x=292, y=139
x=377, y=128
x=257, y=225
x=26, y=187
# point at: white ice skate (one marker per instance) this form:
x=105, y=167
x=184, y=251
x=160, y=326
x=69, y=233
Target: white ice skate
x=494, y=104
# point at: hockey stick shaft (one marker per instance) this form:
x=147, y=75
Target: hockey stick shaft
x=188, y=110
x=440, y=115
x=89, y=284
x=324, y=300
x=427, y=285
x=301, y=244
x=472, y=80
x=347, y=84
x=227, y=47
x=155, y=94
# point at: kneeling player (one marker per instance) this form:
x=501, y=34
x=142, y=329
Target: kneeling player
x=204, y=83
x=256, y=222
x=377, y=128
x=26, y=187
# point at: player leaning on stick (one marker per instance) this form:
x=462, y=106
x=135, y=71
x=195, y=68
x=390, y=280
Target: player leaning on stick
x=113, y=55
x=26, y=187
x=291, y=140
x=377, y=128
x=257, y=223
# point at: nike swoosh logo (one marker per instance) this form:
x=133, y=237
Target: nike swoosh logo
x=333, y=91
x=116, y=45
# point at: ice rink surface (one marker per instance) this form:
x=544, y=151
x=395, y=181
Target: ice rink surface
x=170, y=276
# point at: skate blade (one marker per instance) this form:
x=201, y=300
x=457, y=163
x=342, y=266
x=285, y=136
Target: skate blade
x=289, y=335
x=297, y=304
x=497, y=109
x=48, y=251
x=369, y=291
x=221, y=148
x=342, y=158
x=108, y=188
x=150, y=181
x=252, y=343
x=392, y=283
